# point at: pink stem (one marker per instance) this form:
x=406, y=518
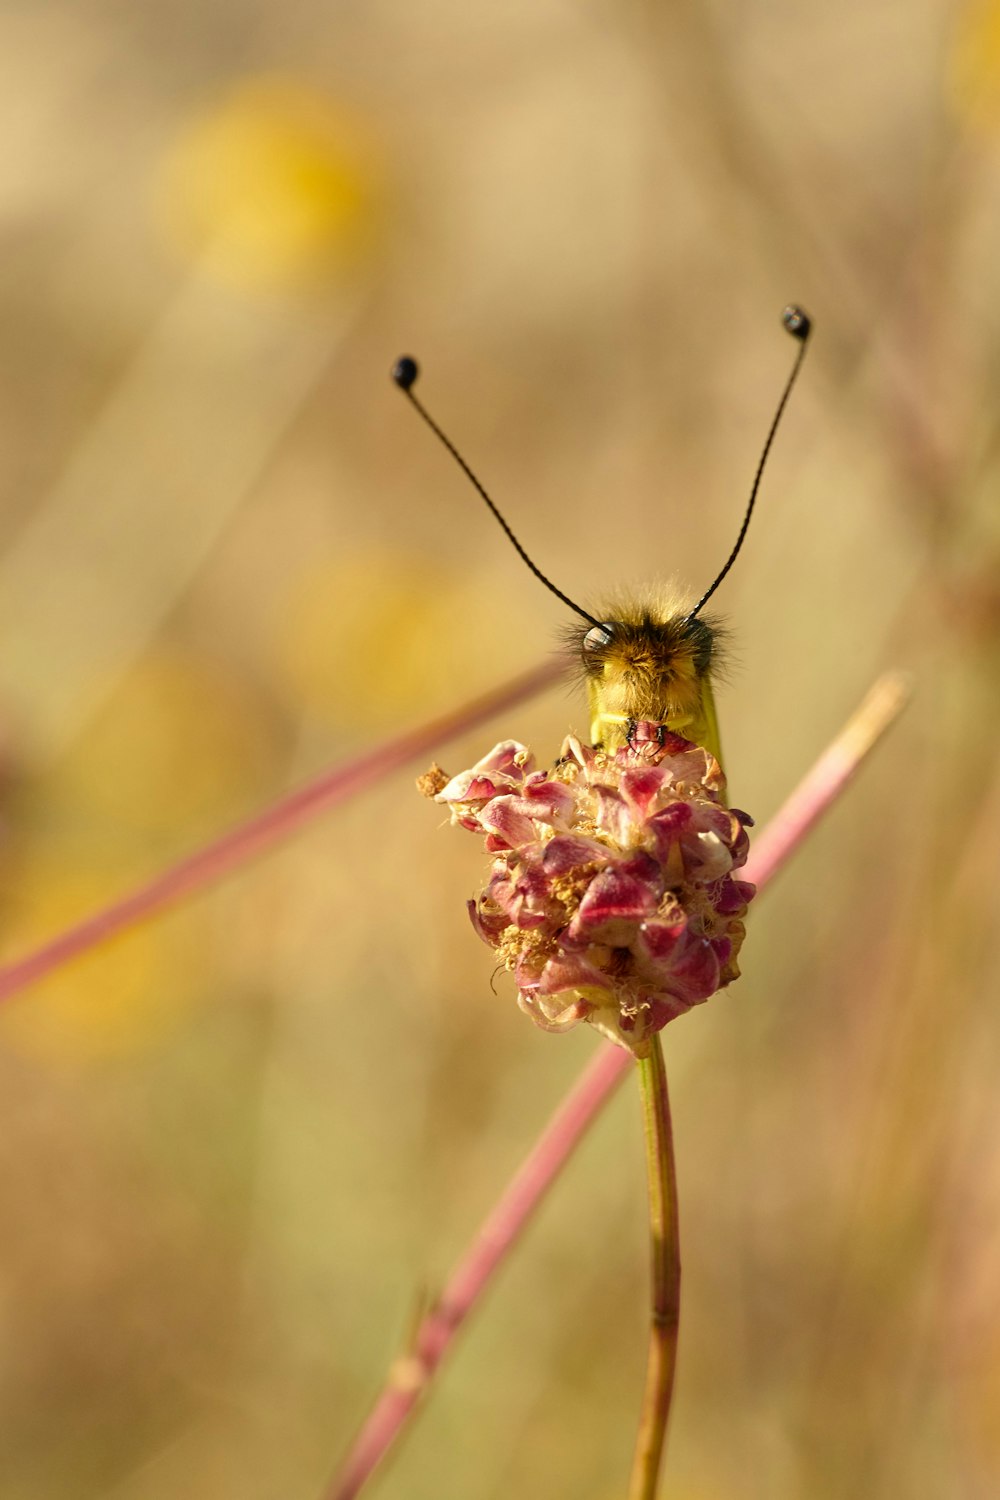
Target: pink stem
x=828, y=777
x=233, y=849
x=411, y=1375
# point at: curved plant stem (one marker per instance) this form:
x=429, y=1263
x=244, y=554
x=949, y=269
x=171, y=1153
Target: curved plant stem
x=213, y=862
x=411, y=1374
x=665, y=1265
x=826, y=780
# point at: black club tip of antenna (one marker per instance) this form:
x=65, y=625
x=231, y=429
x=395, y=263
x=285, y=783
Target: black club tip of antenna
x=797, y=322
x=405, y=372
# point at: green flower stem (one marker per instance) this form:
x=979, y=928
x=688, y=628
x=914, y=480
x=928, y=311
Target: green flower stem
x=665, y=1302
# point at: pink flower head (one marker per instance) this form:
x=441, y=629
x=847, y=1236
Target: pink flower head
x=612, y=897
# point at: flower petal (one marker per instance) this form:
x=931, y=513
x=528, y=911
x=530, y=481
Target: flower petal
x=572, y=971
x=640, y=787
x=548, y=800
x=656, y=940
x=568, y=851
x=509, y=825
x=553, y=1017
x=615, y=903
x=487, y=920
x=695, y=974
x=613, y=816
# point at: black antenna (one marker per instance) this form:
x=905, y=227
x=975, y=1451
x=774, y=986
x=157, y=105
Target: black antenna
x=404, y=373
x=799, y=326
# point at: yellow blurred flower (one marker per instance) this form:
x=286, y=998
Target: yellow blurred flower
x=275, y=187
x=974, y=66
x=179, y=747
x=373, y=640
x=124, y=996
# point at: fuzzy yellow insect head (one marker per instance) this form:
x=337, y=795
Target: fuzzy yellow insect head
x=648, y=662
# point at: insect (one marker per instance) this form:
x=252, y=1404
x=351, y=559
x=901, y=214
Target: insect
x=647, y=664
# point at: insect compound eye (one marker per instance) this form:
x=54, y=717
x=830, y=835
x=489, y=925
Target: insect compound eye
x=598, y=636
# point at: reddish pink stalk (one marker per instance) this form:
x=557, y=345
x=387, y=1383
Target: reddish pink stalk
x=412, y=1373
x=828, y=777
x=259, y=833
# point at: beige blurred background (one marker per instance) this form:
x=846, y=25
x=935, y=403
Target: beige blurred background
x=241, y=1147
